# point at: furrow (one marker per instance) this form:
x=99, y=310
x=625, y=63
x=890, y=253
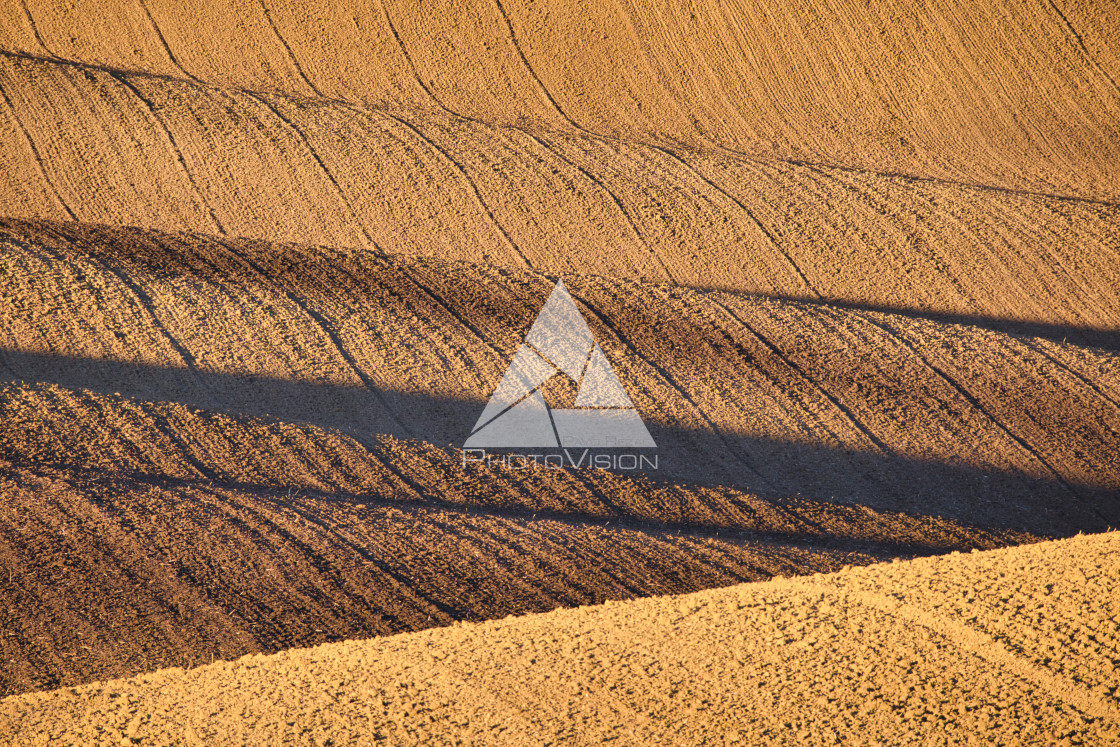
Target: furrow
x=38, y=157
x=1034, y=345
x=288, y=49
x=318, y=160
x=1081, y=43
x=467, y=180
x=754, y=219
x=555, y=152
x=979, y=407
x=408, y=58
x=123, y=80
x=836, y=403
x=311, y=555
x=163, y=42
x=322, y=323
x=529, y=68
x=144, y=302
x=670, y=380
x=35, y=29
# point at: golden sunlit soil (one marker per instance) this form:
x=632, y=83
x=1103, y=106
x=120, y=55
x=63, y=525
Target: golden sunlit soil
x=212, y=450
x=883, y=189
x=856, y=265
x=1013, y=646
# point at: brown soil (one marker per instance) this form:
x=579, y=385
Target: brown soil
x=1016, y=646
x=114, y=145
x=1020, y=94
x=212, y=439
x=262, y=262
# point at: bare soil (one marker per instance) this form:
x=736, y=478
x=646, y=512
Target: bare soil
x=213, y=449
x=1014, y=646
x=857, y=265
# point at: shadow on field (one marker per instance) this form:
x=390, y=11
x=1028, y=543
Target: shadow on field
x=765, y=467
x=158, y=253
x=1089, y=337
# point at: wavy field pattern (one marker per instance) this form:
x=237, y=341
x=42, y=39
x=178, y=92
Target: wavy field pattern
x=263, y=262
x=108, y=142
x=907, y=653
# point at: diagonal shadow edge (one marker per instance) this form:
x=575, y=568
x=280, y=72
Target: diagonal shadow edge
x=686, y=457
x=116, y=243
x=419, y=509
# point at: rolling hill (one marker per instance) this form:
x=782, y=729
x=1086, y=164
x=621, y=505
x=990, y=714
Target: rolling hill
x=1019, y=645
x=263, y=262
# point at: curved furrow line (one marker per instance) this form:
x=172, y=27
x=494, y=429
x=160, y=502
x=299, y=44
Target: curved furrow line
x=65, y=402
x=844, y=321
x=754, y=219
x=463, y=173
x=836, y=403
x=35, y=30
x=517, y=499
x=164, y=426
x=288, y=49
x=1043, y=237
x=1034, y=345
x=775, y=536
x=597, y=555
x=123, y=80
x=411, y=275
x=324, y=324
x=525, y=500
x=529, y=68
x=318, y=160
x=1081, y=44
x=408, y=58
x=802, y=527
x=452, y=356
x=142, y=301
x=683, y=106
x=555, y=151
x=925, y=247
x=801, y=414
x=310, y=554
x=882, y=207
x=764, y=562
x=411, y=272
x=979, y=407
x=233, y=512
x=411, y=484
x=526, y=506
x=406, y=586
x=487, y=541
x=1001, y=223
x=648, y=527
x=386, y=287
x=498, y=549
x=642, y=386
x=600, y=495
x=129, y=562
x=777, y=506
x=742, y=364
x=575, y=589
x=38, y=157
x=669, y=379
x=424, y=502
x=163, y=41
x=911, y=178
